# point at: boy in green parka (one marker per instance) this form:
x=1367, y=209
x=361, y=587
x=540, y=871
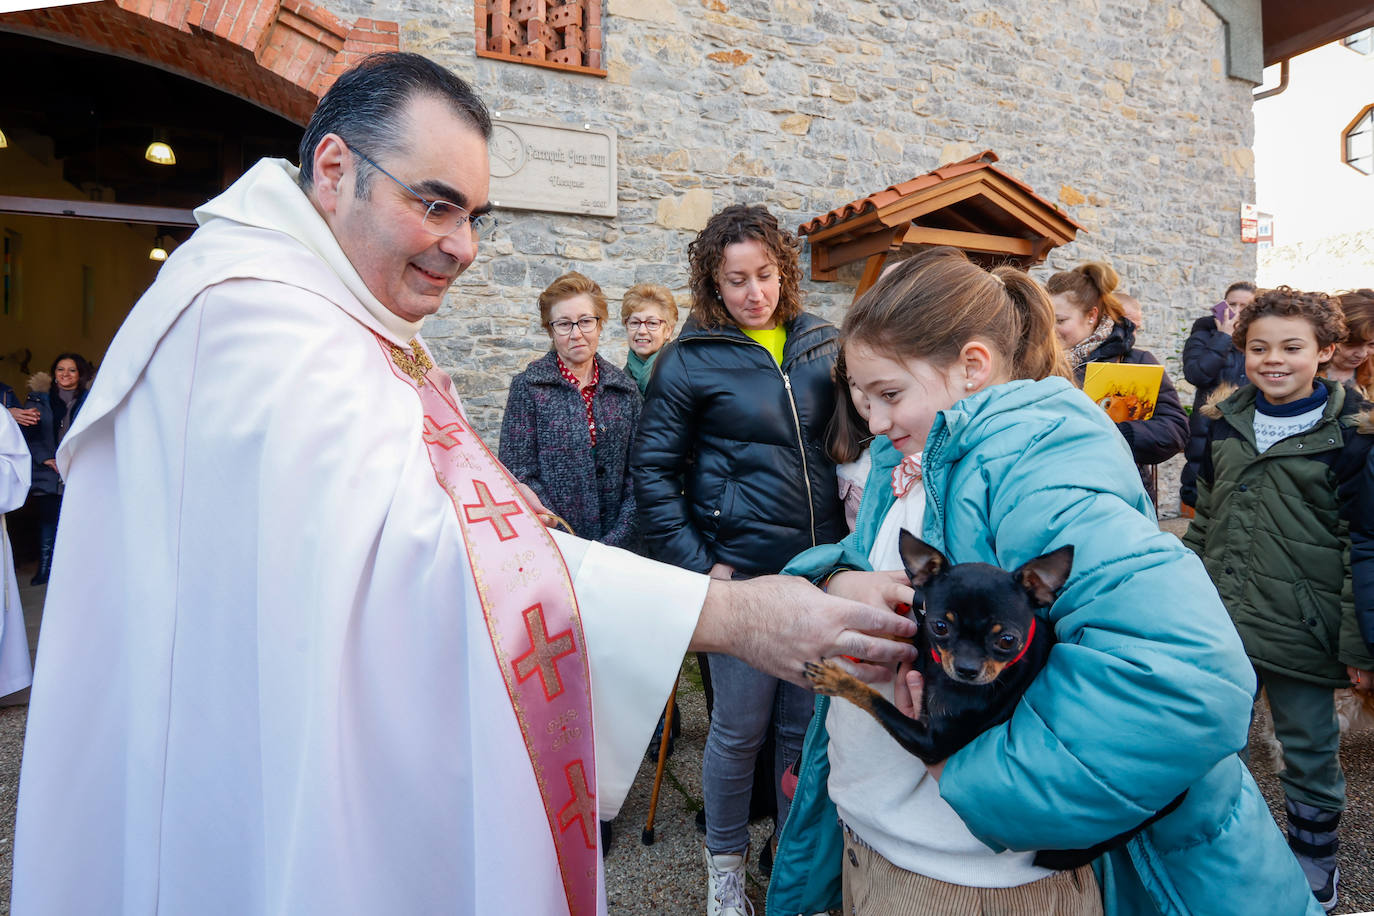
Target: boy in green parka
x=1285, y=462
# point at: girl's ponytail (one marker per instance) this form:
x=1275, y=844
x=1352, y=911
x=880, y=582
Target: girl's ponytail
x=1090, y=286
x=1038, y=353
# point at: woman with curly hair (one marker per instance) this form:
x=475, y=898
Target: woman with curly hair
x=732, y=478
x=1353, y=361
x=57, y=397
x=1093, y=329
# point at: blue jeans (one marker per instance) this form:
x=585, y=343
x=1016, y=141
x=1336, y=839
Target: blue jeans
x=747, y=700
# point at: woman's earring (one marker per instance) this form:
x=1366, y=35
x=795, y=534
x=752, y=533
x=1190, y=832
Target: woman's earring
x=968, y=386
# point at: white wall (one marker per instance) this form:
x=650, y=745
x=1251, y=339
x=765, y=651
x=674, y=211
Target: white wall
x=1299, y=173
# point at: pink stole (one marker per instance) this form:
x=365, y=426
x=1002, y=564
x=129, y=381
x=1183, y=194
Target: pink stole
x=531, y=614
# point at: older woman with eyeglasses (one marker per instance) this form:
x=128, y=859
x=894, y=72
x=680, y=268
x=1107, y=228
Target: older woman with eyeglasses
x=570, y=419
x=649, y=314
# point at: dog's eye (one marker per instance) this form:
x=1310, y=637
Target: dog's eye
x=939, y=627
x=1006, y=642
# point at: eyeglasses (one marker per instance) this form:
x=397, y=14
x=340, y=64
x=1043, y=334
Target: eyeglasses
x=441, y=217
x=648, y=324
x=586, y=324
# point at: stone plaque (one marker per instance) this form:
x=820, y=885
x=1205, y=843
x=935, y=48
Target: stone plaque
x=560, y=168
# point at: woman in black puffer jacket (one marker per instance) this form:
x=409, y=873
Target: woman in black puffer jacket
x=1210, y=359
x=732, y=478
x=1089, y=322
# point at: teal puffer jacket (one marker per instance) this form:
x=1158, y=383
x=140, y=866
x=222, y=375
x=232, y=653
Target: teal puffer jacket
x=1147, y=693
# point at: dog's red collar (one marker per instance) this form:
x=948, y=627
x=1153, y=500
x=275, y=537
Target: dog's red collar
x=1022, y=654
x=1019, y=655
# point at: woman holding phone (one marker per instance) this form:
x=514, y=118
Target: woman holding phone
x=1210, y=358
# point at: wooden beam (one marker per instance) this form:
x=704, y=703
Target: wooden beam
x=94, y=210
x=971, y=241
x=832, y=257
x=1056, y=223
x=905, y=212
x=873, y=269
x=931, y=198
x=1017, y=205
x=855, y=224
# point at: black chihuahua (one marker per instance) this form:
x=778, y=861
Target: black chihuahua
x=979, y=646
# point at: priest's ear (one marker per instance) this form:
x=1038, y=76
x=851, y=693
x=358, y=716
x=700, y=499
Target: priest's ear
x=334, y=173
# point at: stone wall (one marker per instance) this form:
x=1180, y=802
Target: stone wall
x=1117, y=110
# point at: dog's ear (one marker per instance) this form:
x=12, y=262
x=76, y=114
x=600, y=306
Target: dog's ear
x=1044, y=575
x=922, y=561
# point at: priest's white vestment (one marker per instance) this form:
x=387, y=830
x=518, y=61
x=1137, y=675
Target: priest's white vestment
x=15, y=469
x=265, y=684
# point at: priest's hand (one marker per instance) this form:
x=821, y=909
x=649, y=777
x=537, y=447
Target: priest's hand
x=549, y=519
x=779, y=623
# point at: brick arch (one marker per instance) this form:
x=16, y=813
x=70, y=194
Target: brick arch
x=279, y=54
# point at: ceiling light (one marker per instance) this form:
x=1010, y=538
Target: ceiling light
x=160, y=153
x=3, y=142
x=159, y=252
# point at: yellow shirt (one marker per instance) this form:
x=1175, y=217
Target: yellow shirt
x=771, y=339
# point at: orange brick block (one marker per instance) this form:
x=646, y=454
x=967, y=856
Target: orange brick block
x=525, y=10
x=574, y=37
x=537, y=31
x=560, y=17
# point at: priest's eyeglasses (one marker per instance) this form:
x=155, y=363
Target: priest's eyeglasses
x=442, y=217
x=648, y=324
x=564, y=327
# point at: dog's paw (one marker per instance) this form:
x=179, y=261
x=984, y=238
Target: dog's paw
x=827, y=677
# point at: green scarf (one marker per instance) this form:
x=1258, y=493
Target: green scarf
x=639, y=368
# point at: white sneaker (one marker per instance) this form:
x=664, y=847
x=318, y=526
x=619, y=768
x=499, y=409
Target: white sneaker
x=725, y=886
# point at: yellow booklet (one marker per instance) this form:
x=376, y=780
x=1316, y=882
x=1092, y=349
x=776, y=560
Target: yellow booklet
x=1127, y=391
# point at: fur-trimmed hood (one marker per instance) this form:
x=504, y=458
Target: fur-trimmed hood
x=1211, y=408
x=40, y=382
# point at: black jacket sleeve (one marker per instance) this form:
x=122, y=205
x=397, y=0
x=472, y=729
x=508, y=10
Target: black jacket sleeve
x=1361, y=515
x=42, y=436
x=1166, y=432
x=1206, y=353
x=662, y=453
x=624, y=531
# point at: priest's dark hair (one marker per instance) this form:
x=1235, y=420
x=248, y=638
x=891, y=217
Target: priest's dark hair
x=366, y=104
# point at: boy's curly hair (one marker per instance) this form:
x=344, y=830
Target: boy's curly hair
x=1323, y=312
x=741, y=223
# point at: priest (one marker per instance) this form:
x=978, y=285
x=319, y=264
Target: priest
x=307, y=646
x=15, y=469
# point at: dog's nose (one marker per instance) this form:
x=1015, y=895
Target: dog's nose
x=966, y=672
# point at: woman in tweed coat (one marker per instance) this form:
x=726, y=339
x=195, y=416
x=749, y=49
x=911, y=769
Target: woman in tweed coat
x=571, y=417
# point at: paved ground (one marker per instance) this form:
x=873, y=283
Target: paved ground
x=669, y=877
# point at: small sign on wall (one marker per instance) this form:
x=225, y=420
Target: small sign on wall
x=558, y=168
x=1256, y=226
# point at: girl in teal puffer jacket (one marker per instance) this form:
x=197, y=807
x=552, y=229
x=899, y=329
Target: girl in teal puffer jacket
x=999, y=459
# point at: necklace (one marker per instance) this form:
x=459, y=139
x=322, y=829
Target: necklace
x=414, y=364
